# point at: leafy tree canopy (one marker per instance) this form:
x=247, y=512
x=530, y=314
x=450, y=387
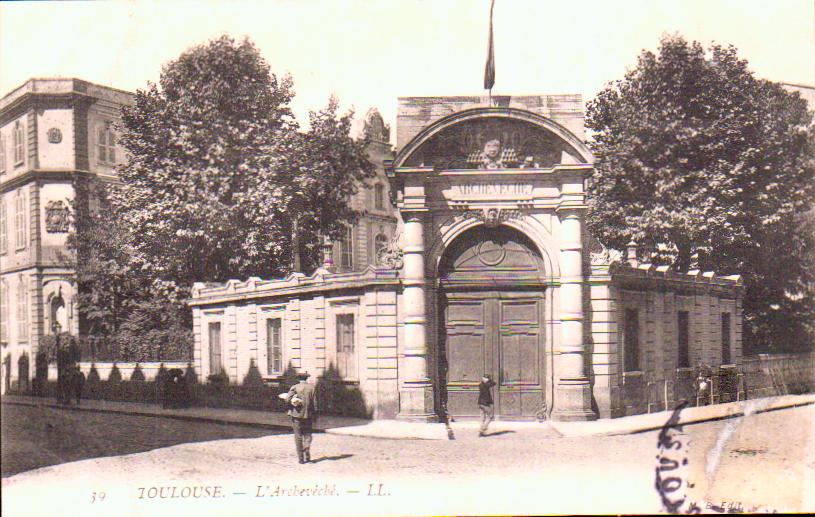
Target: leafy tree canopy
x=219, y=183
x=219, y=177
x=695, y=155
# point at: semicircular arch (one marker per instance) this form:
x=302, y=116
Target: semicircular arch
x=529, y=227
x=559, y=131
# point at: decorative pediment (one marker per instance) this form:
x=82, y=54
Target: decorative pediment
x=491, y=144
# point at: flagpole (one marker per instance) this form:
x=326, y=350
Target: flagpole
x=489, y=68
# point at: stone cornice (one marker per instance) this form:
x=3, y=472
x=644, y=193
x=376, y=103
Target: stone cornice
x=32, y=175
x=296, y=284
x=68, y=89
x=650, y=276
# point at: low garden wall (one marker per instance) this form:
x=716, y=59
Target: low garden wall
x=763, y=375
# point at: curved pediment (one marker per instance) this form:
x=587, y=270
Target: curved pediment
x=492, y=138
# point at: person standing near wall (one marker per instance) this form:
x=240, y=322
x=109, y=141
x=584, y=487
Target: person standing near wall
x=485, y=403
x=303, y=413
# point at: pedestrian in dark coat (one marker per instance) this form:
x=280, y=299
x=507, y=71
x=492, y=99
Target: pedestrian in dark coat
x=78, y=379
x=303, y=413
x=485, y=403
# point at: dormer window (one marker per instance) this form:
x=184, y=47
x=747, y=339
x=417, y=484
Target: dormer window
x=106, y=144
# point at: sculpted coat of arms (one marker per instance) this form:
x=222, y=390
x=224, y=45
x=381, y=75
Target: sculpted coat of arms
x=57, y=217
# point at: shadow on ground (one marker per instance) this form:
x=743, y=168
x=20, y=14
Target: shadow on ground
x=35, y=437
x=333, y=458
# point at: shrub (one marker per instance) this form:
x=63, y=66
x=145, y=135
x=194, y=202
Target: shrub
x=138, y=374
x=93, y=375
x=190, y=376
x=253, y=378
x=219, y=380
x=115, y=376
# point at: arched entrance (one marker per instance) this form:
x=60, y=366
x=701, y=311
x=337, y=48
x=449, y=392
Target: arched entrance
x=491, y=301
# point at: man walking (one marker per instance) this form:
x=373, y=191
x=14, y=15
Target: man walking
x=485, y=403
x=303, y=413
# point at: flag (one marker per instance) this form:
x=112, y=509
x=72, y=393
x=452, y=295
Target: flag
x=489, y=70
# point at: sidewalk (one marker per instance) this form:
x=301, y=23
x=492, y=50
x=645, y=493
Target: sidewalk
x=395, y=429
x=610, y=426
x=248, y=417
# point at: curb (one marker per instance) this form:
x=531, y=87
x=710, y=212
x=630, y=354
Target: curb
x=771, y=405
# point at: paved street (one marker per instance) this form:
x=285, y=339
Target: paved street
x=765, y=462
x=36, y=437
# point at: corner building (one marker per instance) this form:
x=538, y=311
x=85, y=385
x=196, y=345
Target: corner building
x=496, y=275
x=53, y=132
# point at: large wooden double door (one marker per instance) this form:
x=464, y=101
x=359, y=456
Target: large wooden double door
x=495, y=332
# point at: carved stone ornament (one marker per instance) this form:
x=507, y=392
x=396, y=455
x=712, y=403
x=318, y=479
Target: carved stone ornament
x=54, y=135
x=601, y=256
x=57, y=217
x=491, y=217
x=391, y=256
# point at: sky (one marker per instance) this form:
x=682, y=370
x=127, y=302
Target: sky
x=370, y=52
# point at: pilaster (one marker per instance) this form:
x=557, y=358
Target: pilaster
x=573, y=395
x=415, y=386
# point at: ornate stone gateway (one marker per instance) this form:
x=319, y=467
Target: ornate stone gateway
x=493, y=201
x=491, y=301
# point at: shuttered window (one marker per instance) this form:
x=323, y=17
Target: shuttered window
x=215, y=361
x=3, y=226
x=274, y=346
x=631, y=341
x=346, y=356
x=20, y=219
x=22, y=310
x=18, y=135
x=683, y=341
x=379, y=196
x=106, y=144
x=726, y=338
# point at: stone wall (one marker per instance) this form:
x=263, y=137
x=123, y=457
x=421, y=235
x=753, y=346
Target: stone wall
x=309, y=309
x=656, y=296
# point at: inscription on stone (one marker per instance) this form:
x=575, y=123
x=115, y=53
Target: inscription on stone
x=482, y=189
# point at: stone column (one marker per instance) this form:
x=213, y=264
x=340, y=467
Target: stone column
x=572, y=398
x=415, y=387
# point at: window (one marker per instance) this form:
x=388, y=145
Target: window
x=4, y=301
x=22, y=310
x=19, y=143
x=106, y=144
x=683, y=333
x=346, y=358
x=631, y=341
x=2, y=154
x=3, y=230
x=725, y=338
x=347, y=249
x=380, y=243
x=274, y=346
x=20, y=219
x=379, y=196
x=215, y=365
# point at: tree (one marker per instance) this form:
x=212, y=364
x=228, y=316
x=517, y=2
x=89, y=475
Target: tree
x=695, y=156
x=140, y=316
x=220, y=180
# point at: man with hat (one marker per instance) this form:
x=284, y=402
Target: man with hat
x=303, y=412
x=485, y=402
